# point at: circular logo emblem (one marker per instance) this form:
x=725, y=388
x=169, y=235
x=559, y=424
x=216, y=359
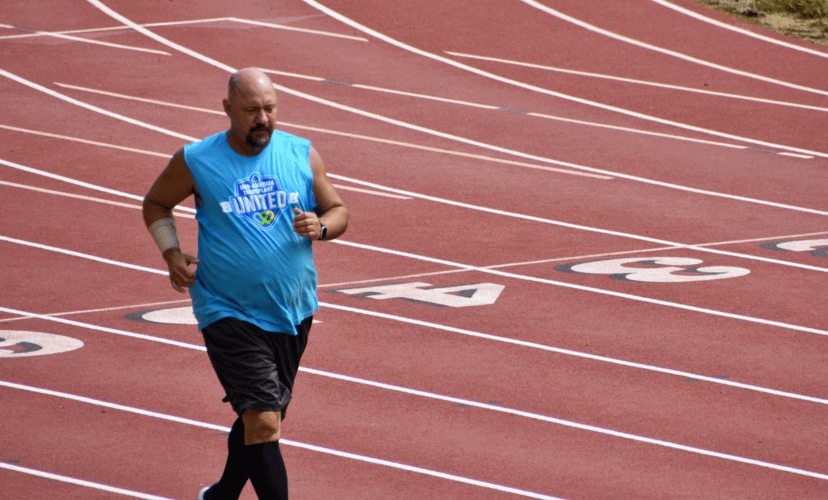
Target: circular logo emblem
x=17, y=344
x=168, y=316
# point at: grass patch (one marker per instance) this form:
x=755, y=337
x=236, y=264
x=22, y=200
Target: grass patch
x=803, y=19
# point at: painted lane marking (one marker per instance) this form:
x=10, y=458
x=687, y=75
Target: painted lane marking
x=370, y=191
x=85, y=40
x=103, y=309
x=654, y=269
x=297, y=444
x=533, y=88
x=220, y=65
x=583, y=228
x=184, y=23
x=86, y=198
x=468, y=295
x=487, y=336
x=739, y=30
x=639, y=82
x=19, y=344
x=75, y=182
x=84, y=141
x=78, y=482
x=668, y=52
x=523, y=277
x=472, y=207
x=369, y=138
x=700, y=248
x=440, y=397
x=528, y=113
x=547, y=261
x=90, y=107
x=609, y=174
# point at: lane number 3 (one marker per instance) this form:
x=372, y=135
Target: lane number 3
x=654, y=270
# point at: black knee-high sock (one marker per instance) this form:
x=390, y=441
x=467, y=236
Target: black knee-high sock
x=267, y=471
x=236, y=469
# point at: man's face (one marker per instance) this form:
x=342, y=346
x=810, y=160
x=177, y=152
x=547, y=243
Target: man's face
x=252, y=116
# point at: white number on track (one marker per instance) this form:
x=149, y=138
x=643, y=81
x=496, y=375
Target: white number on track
x=654, y=269
x=816, y=247
x=479, y=294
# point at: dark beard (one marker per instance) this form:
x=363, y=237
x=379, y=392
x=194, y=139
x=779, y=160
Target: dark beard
x=257, y=144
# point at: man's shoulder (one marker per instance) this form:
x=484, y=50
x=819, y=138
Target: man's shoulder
x=287, y=138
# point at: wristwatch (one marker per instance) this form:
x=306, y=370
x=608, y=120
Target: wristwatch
x=323, y=231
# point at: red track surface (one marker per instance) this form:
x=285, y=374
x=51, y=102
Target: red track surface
x=570, y=385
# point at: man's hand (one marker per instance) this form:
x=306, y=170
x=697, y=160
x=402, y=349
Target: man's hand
x=181, y=276
x=306, y=224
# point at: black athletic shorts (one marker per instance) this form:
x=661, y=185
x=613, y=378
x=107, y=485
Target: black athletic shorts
x=256, y=367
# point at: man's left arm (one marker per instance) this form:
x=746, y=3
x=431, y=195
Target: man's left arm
x=331, y=212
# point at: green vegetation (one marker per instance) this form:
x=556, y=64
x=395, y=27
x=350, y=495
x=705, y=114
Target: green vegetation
x=805, y=9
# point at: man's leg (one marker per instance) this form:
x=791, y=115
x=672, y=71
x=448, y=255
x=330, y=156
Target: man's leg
x=236, y=472
x=262, y=430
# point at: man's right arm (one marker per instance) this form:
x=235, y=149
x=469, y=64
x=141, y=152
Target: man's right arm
x=174, y=185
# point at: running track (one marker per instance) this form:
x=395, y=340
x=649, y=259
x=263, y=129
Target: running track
x=495, y=155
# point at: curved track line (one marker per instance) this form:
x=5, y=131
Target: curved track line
x=320, y=449
x=438, y=326
x=429, y=131
x=608, y=232
x=668, y=52
x=583, y=288
x=90, y=107
x=410, y=194
x=639, y=82
x=439, y=397
x=79, y=482
x=553, y=93
x=739, y=30
x=345, y=20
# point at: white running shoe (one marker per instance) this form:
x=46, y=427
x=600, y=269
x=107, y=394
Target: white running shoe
x=202, y=494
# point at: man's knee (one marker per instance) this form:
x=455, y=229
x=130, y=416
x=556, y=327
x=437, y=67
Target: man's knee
x=261, y=426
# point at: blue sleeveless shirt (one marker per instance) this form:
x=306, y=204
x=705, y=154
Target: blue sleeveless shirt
x=253, y=267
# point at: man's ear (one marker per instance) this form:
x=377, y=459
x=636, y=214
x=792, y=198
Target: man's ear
x=226, y=104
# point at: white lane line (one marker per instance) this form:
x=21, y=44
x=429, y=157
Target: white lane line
x=668, y=52
x=580, y=227
x=410, y=194
x=225, y=67
x=63, y=36
x=181, y=23
x=297, y=444
x=90, y=107
x=72, y=253
x=607, y=173
x=84, y=141
x=100, y=200
x=740, y=30
x=79, y=482
x=469, y=332
x=533, y=88
x=293, y=28
x=104, y=309
x=450, y=399
x=363, y=137
x=75, y=182
x=527, y=113
x=637, y=298
x=638, y=82
x=370, y=191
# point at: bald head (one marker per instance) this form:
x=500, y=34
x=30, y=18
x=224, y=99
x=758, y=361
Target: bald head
x=248, y=80
x=251, y=106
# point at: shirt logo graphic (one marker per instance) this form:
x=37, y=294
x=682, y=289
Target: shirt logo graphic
x=258, y=199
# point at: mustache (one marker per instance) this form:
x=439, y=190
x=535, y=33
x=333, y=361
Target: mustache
x=258, y=127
